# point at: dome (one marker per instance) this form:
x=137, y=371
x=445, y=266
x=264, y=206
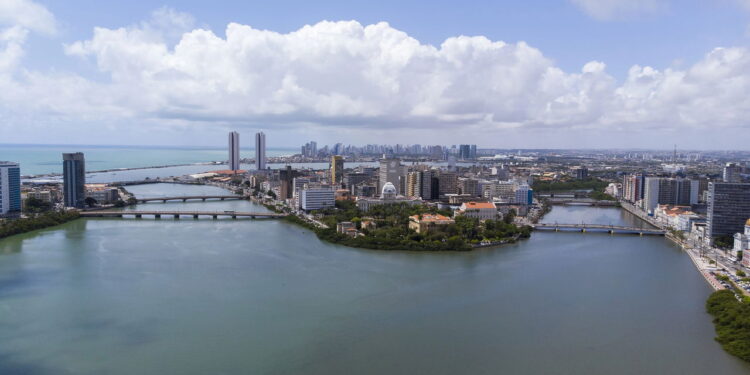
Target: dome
x=389, y=191
x=747, y=223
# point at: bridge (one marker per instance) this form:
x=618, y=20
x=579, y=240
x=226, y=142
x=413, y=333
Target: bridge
x=189, y=197
x=611, y=229
x=582, y=202
x=177, y=214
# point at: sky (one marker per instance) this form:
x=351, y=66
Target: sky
x=501, y=74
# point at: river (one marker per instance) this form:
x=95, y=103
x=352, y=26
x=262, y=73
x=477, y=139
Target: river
x=139, y=296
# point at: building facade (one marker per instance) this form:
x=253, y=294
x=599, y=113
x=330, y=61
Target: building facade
x=317, y=199
x=728, y=208
x=10, y=188
x=337, y=169
x=234, y=151
x=74, y=180
x=390, y=171
x=479, y=210
x=260, y=151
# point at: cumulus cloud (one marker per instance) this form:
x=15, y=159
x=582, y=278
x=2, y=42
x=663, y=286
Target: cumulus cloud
x=611, y=9
x=353, y=76
x=28, y=15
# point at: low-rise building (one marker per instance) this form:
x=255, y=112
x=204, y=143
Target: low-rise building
x=478, y=210
x=427, y=222
x=102, y=193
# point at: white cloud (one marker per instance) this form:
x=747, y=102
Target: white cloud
x=369, y=78
x=612, y=9
x=28, y=15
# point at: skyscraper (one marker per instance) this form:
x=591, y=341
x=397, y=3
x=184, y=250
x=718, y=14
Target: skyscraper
x=260, y=151
x=74, y=180
x=390, y=171
x=10, y=188
x=672, y=191
x=732, y=173
x=337, y=169
x=728, y=208
x=234, y=151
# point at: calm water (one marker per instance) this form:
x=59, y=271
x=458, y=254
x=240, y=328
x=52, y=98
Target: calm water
x=114, y=296
x=42, y=159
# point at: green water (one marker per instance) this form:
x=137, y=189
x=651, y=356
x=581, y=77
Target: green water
x=127, y=296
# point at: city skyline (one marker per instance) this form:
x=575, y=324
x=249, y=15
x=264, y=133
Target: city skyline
x=617, y=76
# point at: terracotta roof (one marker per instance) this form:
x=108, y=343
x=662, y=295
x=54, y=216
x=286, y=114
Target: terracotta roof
x=431, y=217
x=228, y=171
x=480, y=205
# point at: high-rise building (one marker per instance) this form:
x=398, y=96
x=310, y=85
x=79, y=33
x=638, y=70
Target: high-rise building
x=390, y=171
x=430, y=185
x=286, y=186
x=74, y=180
x=414, y=184
x=260, y=151
x=581, y=172
x=448, y=183
x=728, y=208
x=732, y=173
x=337, y=169
x=672, y=191
x=234, y=151
x=10, y=188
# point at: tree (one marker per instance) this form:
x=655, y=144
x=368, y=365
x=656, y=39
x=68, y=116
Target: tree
x=271, y=194
x=120, y=203
x=510, y=216
x=91, y=202
x=34, y=205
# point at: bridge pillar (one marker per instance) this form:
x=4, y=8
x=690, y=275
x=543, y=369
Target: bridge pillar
x=234, y=216
x=163, y=201
x=176, y=216
x=138, y=216
x=215, y=216
x=204, y=199
x=252, y=217
x=157, y=216
x=222, y=198
x=583, y=230
x=195, y=216
x=184, y=200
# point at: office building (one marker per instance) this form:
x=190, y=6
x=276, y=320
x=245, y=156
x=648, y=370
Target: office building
x=670, y=191
x=390, y=171
x=414, y=184
x=732, y=173
x=581, y=173
x=260, y=151
x=728, y=208
x=447, y=183
x=468, y=186
x=337, y=170
x=523, y=195
x=10, y=188
x=234, y=151
x=467, y=152
x=74, y=180
x=286, y=182
x=317, y=199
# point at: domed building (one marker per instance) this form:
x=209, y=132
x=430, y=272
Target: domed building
x=388, y=195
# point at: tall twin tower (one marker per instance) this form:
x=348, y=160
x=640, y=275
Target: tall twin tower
x=234, y=151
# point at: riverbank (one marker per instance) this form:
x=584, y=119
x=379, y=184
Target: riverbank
x=40, y=221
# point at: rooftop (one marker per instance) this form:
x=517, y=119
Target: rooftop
x=478, y=205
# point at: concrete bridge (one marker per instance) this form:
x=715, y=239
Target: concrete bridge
x=582, y=202
x=190, y=197
x=611, y=229
x=177, y=214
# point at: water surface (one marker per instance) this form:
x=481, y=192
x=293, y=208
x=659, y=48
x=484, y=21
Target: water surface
x=128, y=296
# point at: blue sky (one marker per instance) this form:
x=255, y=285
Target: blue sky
x=564, y=78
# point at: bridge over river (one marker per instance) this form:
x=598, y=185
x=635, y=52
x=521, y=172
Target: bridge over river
x=189, y=197
x=177, y=214
x=612, y=229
